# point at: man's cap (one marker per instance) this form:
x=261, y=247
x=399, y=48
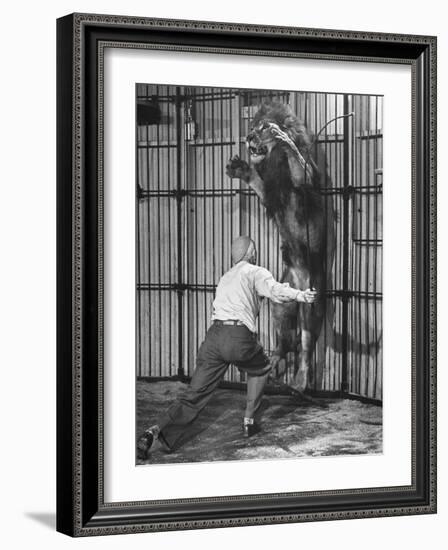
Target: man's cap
x=240, y=247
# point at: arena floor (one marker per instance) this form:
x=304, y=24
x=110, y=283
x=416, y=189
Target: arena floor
x=289, y=429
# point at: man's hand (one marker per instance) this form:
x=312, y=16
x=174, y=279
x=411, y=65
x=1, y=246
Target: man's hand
x=309, y=296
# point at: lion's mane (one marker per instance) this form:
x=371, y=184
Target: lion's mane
x=283, y=116
x=274, y=169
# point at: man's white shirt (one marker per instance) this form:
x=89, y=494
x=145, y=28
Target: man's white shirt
x=241, y=289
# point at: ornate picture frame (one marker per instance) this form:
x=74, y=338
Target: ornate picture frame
x=81, y=506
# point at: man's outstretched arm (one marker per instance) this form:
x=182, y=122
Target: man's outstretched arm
x=279, y=293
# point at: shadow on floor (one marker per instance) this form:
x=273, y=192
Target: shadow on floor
x=289, y=429
x=48, y=519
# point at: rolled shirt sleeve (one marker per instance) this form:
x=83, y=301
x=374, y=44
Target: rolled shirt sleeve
x=267, y=286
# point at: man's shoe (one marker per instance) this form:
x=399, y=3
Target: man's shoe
x=147, y=442
x=250, y=427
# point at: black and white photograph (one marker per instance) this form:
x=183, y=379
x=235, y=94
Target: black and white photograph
x=258, y=292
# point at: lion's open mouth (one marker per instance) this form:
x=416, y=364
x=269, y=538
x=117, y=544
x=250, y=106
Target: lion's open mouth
x=257, y=150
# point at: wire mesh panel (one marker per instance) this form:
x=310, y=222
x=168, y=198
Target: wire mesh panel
x=189, y=212
x=157, y=228
x=365, y=251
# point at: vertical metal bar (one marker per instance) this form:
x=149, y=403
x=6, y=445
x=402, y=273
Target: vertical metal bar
x=316, y=357
x=367, y=248
x=148, y=239
x=170, y=265
x=330, y=181
x=182, y=155
x=354, y=107
x=249, y=201
x=337, y=177
x=360, y=229
x=257, y=221
x=305, y=114
x=187, y=244
x=138, y=231
x=375, y=268
x=242, y=198
x=196, y=231
x=204, y=203
x=213, y=199
x=276, y=275
x=222, y=177
x=326, y=235
x=345, y=263
x=180, y=368
x=233, y=94
x=159, y=241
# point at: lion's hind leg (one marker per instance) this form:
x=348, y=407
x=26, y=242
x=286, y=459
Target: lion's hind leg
x=309, y=324
x=285, y=322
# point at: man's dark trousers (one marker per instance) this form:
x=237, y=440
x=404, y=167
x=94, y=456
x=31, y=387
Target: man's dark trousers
x=223, y=345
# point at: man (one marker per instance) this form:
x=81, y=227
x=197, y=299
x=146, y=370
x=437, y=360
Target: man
x=230, y=340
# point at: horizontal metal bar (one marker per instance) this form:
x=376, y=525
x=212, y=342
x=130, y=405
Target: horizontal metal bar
x=187, y=97
x=369, y=189
x=208, y=96
x=331, y=139
x=155, y=145
x=369, y=136
x=153, y=97
x=348, y=294
x=326, y=191
x=376, y=242
x=352, y=190
x=211, y=288
x=209, y=143
x=173, y=144
x=176, y=287
x=152, y=145
x=145, y=194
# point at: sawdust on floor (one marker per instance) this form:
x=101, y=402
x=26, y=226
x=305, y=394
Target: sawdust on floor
x=289, y=429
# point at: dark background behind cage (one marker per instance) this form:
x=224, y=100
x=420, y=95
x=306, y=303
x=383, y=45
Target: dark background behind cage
x=189, y=211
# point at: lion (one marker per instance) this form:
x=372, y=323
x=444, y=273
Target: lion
x=285, y=177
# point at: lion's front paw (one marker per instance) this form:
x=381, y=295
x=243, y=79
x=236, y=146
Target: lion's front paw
x=238, y=168
x=280, y=135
